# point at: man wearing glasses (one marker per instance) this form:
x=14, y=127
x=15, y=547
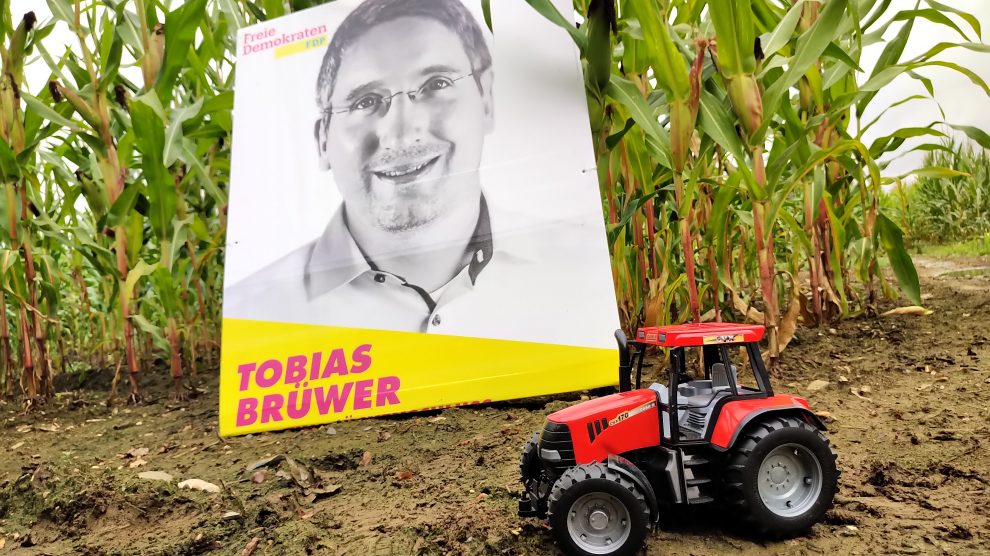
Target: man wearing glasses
x=405, y=94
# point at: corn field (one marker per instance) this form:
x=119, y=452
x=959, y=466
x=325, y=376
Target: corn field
x=947, y=209
x=735, y=180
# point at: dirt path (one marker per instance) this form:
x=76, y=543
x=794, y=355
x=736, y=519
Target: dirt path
x=910, y=426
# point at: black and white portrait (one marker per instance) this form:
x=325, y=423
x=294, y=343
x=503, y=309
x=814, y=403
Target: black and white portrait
x=397, y=166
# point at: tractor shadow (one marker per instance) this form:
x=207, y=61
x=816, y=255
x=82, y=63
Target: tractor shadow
x=709, y=521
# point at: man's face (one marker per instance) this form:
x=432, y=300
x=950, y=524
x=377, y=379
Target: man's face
x=402, y=162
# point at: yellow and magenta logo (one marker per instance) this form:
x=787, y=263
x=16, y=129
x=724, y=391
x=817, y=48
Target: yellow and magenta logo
x=284, y=44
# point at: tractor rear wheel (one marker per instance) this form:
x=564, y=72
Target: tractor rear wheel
x=781, y=476
x=596, y=510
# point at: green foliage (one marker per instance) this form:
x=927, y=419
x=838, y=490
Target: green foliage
x=941, y=208
x=721, y=130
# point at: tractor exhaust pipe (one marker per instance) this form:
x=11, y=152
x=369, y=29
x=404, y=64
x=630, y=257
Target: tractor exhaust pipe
x=625, y=362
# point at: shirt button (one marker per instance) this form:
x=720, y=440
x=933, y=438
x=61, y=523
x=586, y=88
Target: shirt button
x=380, y=278
x=436, y=319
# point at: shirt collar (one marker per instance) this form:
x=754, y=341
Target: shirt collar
x=336, y=259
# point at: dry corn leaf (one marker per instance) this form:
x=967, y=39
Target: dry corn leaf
x=915, y=310
x=199, y=484
x=366, y=459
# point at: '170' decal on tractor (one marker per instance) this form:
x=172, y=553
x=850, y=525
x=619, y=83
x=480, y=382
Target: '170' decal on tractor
x=597, y=426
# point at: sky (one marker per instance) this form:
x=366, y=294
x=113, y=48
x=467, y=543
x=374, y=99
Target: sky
x=962, y=101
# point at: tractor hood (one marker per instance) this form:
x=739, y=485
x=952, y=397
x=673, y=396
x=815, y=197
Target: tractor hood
x=609, y=405
x=611, y=425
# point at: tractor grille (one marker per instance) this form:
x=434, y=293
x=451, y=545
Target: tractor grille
x=557, y=437
x=696, y=420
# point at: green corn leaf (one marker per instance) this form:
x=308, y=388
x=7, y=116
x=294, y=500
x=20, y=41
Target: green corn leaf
x=62, y=9
x=9, y=168
x=157, y=336
x=631, y=98
x=486, y=10
x=933, y=172
x=669, y=66
x=969, y=18
x=718, y=124
x=274, y=8
x=549, y=11
x=190, y=157
x=181, y=24
x=735, y=30
x=876, y=15
x=974, y=133
x=782, y=33
x=121, y=209
x=835, y=51
x=149, y=134
x=140, y=270
x=810, y=47
x=892, y=240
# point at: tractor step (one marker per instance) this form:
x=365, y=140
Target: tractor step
x=693, y=461
x=697, y=480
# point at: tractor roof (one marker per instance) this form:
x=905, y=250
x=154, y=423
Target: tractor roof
x=699, y=334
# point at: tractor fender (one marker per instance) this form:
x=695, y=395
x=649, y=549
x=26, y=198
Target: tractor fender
x=736, y=416
x=629, y=470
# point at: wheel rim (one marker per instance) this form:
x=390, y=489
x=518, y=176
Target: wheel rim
x=598, y=523
x=790, y=480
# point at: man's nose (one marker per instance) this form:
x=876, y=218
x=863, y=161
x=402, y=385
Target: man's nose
x=403, y=123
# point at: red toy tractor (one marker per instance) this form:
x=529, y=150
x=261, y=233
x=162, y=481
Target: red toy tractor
x=601, y=470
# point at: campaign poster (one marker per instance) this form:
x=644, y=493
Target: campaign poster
x=415, y=219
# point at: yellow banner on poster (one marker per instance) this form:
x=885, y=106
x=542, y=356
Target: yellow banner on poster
x=272, y=377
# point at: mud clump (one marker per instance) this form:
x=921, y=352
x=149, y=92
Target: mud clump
x=339, y=461
x=885, y=474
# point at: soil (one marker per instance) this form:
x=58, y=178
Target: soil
x=905, y=406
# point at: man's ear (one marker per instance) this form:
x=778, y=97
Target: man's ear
x=320, y=134
x=486, y=82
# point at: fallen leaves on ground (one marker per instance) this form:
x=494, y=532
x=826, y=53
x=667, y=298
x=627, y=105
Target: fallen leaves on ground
x=314, y=483
x=199, y=484
x=913, y=310
x=267, y=462
x=249, y=548
x=366, y=459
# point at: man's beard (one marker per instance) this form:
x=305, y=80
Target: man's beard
x=406, y=207
x=418, y=195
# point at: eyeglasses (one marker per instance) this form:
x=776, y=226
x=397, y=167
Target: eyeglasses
x=436, y=90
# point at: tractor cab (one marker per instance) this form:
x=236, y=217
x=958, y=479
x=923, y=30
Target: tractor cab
x=710, y=364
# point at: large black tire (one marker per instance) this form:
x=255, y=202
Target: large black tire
x=759, y=486
x=590, y=496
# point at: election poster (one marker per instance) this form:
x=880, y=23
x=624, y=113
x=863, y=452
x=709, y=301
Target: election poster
x=414, y=220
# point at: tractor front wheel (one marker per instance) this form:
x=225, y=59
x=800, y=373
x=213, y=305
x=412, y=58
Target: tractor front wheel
x=595, y=510
x=781, y=476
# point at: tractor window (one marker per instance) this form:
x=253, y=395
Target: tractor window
x=746, y=382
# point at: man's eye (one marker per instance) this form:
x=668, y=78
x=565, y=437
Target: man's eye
x=369, y=102
x=438, y=83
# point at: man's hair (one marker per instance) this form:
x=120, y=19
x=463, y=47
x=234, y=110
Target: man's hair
x=450, y=13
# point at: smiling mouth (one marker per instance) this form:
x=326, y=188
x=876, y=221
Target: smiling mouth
x=406, y=173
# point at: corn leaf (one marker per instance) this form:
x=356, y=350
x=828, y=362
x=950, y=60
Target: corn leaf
x=892, y=240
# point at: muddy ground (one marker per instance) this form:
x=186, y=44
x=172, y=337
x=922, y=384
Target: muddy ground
x=910, y=427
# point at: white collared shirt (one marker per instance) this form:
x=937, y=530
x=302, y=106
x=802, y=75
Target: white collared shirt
x=521, y=284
